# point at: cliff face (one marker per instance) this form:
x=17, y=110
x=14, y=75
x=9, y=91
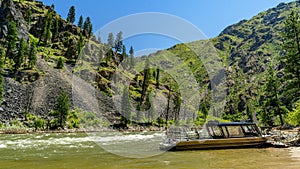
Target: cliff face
x=35, y=91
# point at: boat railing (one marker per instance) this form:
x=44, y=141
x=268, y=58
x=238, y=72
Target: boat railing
x=182, y=133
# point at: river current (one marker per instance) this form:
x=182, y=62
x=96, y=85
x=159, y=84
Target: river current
x=126, y=151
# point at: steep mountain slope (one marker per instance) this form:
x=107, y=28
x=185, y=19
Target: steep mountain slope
x=242, y=52
x=244, y=49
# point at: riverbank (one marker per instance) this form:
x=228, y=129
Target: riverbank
x=283, y=137
x=81, y=130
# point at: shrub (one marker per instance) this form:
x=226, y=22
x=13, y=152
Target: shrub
x=60, y=63
x=39, y=123
x=294, y=116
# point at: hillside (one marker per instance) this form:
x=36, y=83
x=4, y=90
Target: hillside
x=166, y=87
x=245, y=50
x=35, y=90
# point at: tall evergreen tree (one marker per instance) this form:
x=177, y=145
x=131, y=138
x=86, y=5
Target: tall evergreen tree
x=12, y=38
x=126, y=107
x=131, y=53
x=45, y=36
x=80, y=22
x=291, y=58
x=32, y=59
x=71, y=15
x=124, y=55
x=55, y=30
x=99, y=37
x=119, y=42
x=157, y=77
x=18, y=59
x=145, y=81
x=272, y=103
x=52, y=6
x=110, y=40
x=87, y=26
x=62, y=109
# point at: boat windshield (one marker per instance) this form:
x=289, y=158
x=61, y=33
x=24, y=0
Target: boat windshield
x=233, y=130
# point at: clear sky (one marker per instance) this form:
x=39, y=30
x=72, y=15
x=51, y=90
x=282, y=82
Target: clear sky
x=210, y=16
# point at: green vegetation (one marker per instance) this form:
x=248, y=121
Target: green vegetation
x=263, y=73
x=80, y=22
x=71, y=15
x=60, y=63
x=62, y=111
x=291, y=47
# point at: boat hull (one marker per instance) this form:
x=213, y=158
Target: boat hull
x=215, y=143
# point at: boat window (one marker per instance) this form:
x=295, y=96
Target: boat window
x=250, y=130
x=215, y=131
x=235, y=131
x=226, y=134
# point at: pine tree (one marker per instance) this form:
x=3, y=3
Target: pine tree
x=291, y=59
x=32, y=59
x=62, y=109
x=12, y=37
x=119, y=42
x=131, y=52
x=71, y=15
x=87, y=26
x=157, y=77
x=46, y=31
x=55, y=30
x=272, y=103
x=80, y=22
x=126, y=107
x=19, y=57
x=145, y=81
x=99, y=37
x=124, y=55
x=110, y=40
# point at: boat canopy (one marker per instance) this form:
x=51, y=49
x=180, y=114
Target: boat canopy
x=232, y=129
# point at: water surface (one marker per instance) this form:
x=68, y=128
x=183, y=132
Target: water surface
x=90, y=151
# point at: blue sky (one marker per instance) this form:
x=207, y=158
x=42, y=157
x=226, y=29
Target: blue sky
x=209, y=16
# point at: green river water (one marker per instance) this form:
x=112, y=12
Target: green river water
x=126, y=151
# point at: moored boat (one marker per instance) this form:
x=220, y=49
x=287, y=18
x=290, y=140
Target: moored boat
x=215, y=135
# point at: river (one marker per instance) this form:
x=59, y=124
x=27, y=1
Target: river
x=128, y=150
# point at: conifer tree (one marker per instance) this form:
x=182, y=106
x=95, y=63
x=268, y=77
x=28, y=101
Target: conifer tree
x=110, y=40
x=131, y=53
x=272, y=103
x=46, y=31
x=291, y=58
x=145, y=81
x=119, y=42
x=62, y=109
x=55, y=30
x=126, y=107
x=87, y=26
x=71, y=15
x=80, y=22
x=19, y=57
x=124, y=52
x=32, y=59
x=12, y=37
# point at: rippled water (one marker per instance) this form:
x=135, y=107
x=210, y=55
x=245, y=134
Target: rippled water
x=121, y=150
